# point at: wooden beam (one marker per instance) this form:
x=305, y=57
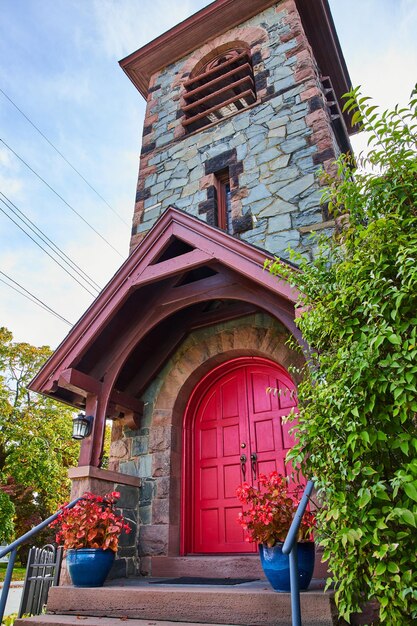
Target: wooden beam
x=79, y=383
x=128, y=418
x=126, y=402
x=173, y=339
x=156, y=361
x=205, y=285
x=223, y=314
x=245, y=95
x=211, y=96
x=164, y=269
x=220, y=67
x=195, y=92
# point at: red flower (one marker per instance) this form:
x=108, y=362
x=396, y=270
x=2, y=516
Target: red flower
x=91, y=523
x=270, y=510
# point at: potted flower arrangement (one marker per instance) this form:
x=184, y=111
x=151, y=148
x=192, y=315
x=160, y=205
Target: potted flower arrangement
x=90, y=534
x=267, y=519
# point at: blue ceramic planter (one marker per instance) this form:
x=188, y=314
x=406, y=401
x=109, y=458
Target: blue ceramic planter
x=276, y=565
x=89, y=567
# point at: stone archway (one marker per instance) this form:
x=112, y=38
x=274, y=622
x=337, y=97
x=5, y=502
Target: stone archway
x=165, y=402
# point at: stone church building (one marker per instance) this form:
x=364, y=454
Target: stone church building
x=243, y=109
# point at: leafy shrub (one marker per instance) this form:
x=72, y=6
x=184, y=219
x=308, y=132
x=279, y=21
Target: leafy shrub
x=357, y=424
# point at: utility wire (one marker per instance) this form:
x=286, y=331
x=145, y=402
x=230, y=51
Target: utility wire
x=61, y=198
x=39, y=245
x=63, y=157
x=33, y=298
x=52, y=245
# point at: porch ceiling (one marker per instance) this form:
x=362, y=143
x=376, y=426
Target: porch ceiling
x=183, y=275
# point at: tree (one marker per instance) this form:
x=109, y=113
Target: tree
x=358, y=400
x=36, y=448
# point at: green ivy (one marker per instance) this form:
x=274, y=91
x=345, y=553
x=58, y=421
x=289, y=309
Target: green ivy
x=358, y=399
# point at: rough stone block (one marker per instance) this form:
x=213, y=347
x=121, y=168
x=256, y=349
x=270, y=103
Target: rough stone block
x=162, y=485
x=161, y=464
x=145, y=514
x=297, y=187
x=279, y=222
x=153, y=540
x=129, y=497
x=129, y=467
x=145, y=466
x=160, y=511
x=140, y=445
x=291, y=145
x=258, y=193
x=277, y=207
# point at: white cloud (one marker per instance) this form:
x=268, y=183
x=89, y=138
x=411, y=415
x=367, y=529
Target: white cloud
x=125, y=27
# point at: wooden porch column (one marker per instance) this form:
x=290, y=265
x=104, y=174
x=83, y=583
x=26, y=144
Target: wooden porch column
x=91, y=446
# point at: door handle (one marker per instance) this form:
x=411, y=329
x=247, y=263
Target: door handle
x=253, y=458
x=243, y=460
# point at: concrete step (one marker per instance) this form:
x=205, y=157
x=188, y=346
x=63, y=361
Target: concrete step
x=248, y=604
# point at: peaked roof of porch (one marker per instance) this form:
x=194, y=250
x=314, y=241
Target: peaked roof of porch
x=183, y=275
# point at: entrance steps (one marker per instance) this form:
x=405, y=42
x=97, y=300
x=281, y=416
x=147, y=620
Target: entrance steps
x=141, y=602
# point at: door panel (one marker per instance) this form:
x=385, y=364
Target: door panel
x=233, y=410
x=222, y=420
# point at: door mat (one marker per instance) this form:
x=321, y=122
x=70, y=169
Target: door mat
x=192, y=580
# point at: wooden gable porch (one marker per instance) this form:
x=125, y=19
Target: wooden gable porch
x=184, y=277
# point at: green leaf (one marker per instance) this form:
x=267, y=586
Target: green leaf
x=408, y=517
x=411, y=491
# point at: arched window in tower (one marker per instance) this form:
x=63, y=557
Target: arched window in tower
x=222, y=86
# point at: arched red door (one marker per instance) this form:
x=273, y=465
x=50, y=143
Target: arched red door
x=236, y=431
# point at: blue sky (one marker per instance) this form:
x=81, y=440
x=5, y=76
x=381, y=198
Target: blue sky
x=59, y=64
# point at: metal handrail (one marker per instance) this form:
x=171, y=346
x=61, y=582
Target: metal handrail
x=290, y=547
x=12, y=549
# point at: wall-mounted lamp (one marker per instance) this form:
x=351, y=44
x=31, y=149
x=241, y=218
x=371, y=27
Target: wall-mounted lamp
x=81, y=426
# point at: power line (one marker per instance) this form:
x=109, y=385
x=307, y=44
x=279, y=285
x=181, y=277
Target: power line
x=63, y=157
x=61, y=198
x=33, y=298
x=46, y=252
x=51, y=244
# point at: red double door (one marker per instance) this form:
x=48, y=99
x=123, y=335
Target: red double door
x=238, y=432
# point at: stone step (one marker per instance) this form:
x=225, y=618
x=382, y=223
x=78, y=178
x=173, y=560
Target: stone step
x=248, y=604
x=236, y=566
x=74, y=620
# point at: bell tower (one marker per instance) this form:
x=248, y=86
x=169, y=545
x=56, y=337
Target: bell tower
x=243, y=108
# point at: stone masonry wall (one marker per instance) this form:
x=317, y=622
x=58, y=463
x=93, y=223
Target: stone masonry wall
x=154, y=451
x=276, y=145
x=126, y=563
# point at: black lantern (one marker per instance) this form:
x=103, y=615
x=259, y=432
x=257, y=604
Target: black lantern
x=81, y=426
